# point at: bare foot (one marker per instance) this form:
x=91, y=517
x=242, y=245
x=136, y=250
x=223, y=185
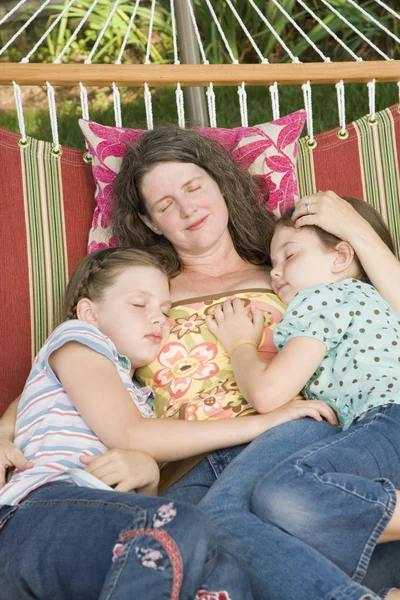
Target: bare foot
x=392, y=531
x=393, y=595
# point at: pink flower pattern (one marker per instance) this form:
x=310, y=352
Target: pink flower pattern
x=192, y=376
x=268, y=151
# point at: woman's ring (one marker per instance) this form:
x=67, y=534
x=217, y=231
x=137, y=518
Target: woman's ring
x=308, y=208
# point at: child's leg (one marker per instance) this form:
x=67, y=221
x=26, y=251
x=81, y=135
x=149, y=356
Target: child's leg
x=69, y=542
x=339, y=495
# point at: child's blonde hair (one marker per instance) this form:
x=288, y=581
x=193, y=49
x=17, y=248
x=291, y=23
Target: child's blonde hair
x=97, y=271
x=330, y=241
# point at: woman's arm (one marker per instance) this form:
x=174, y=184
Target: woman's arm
x=101, y=398
x=332, y=213
x=265, y=386
x=10, y=456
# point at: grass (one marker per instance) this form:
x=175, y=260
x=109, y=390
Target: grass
x=164, y=108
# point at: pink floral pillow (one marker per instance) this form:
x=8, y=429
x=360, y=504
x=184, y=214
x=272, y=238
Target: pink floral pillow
x=268, y=150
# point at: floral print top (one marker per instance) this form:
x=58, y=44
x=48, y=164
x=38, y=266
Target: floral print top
x=192, y=376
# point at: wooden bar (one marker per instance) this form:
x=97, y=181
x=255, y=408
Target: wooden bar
x=199, y=75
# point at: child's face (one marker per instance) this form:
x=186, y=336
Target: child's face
x=133, y=313
x=299, y=261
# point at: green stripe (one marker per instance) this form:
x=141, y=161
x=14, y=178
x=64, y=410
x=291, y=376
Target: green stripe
x=305, y=169
x=46, y=240
x=379, y=165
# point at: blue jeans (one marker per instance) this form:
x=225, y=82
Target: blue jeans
x=195, y=484
x=280, y=566
x=65, y=542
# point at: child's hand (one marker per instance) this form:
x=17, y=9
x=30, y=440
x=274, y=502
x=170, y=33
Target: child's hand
x=233, y=327
x=125, y=470
x=298, y=409
x=11, y=456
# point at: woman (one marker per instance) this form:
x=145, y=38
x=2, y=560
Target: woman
x=182, y=192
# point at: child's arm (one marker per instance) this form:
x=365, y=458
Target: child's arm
x=266, y=387
x=94, y=386
x=125, y=470
x=10, y=455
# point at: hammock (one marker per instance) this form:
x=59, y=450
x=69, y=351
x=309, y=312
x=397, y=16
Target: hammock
x=48, y=189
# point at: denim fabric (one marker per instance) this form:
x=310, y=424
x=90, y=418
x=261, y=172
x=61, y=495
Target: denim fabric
x=280, y=566
x=341, y=485
x=65, y=542
x=195, y=484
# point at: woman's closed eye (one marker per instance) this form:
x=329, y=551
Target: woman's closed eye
x=193, y=189
x=165, y=207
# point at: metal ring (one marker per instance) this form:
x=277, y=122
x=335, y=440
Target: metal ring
x=311, y=144
x=56, y=153
x=308, y=208
x=343, y=134
x=398, y=108
x=23, y=143
x=372, y=121
x=87, y=158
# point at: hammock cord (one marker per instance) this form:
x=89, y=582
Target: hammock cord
x=180, y=106
x=20, y=111
x=147, y=93
x=210, y=94
x=24, y=26
x=306, y=87
x=341, y=106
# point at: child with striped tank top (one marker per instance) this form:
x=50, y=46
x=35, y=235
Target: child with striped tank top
x=80, y=401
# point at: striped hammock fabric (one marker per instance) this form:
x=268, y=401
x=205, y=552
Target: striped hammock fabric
x=47, y=208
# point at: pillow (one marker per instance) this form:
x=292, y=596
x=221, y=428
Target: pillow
x=268, y=150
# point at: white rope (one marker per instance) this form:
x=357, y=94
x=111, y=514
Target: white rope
x=180, y=105
x=126, y=36
x=53, y=116
x=249, y=36
x=371, y=99
x=12, y=11
x=222, y=34
x=388, y=8
x=274, y=33
x=329, y=30
x=210, y=94
x=306, y=87
x=116, y=92
x=341, y=106
x=47, y=33
x=88, y=61
x=117, y=105
x=273, y=90
x=197, y=33
x=300, y=30
x=84, y=101
x=24, y=26
x=244, y=117
x=20, y=111
x=212, y=112
x=148, y=106
x=57, y=61
x=375, y=21
x=361, y=35
x=148, y=49
x=147, y=94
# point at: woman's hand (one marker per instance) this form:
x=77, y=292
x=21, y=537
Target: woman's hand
x=233, y=327
x=330, y=212
x=11, y=456
x=298, y=409
x=125, y=470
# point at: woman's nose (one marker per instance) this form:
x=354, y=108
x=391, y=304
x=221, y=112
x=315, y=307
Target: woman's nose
x=275, y=273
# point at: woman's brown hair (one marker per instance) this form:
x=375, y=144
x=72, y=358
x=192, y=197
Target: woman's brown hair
x=98, y=271
x=249, y=220
x=330, y=241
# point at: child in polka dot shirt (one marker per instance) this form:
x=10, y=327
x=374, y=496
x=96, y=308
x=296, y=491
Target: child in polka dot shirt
x=338, y=341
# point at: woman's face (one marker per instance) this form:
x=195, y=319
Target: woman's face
x=186, y=206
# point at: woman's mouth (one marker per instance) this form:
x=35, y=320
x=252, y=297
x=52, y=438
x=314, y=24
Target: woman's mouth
x=197, y=225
